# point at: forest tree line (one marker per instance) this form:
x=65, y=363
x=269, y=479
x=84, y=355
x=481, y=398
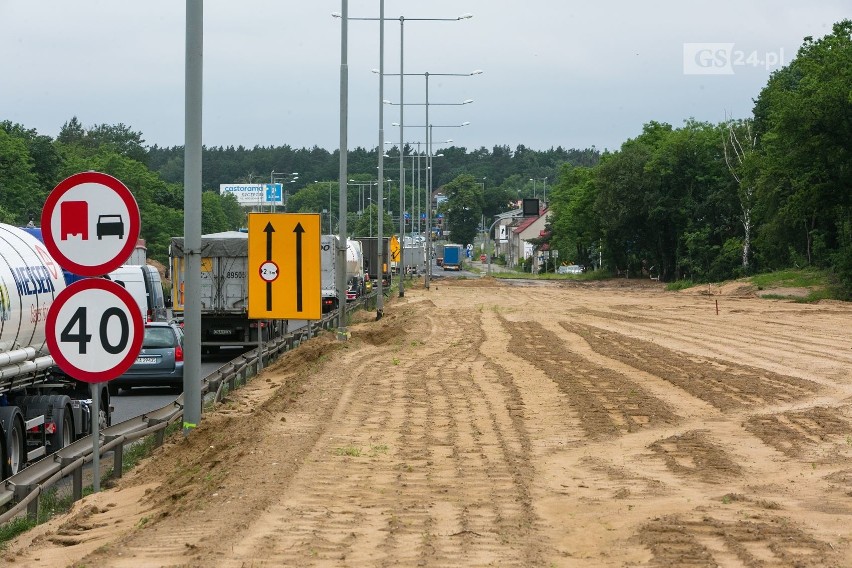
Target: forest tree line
x=714, y=201
x=31, y=164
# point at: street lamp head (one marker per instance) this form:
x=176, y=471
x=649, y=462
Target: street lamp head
x=336, y=15
x=467, y=101
x=376, y=71
x=477, y=72
x=465, y=16
x=465, y=123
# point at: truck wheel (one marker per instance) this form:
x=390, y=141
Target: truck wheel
x=64, y=433
x=13, y=428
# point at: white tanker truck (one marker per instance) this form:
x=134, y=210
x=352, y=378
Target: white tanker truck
x=41, y=409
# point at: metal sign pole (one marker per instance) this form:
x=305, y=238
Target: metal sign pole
x=259, y=345
x=96, y=437
x=192, y=215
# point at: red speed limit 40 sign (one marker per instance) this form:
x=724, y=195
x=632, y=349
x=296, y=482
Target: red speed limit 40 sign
x=94, y=331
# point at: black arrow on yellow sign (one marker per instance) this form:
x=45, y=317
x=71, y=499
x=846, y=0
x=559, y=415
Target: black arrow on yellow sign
x=298, y=230
x=269, y=230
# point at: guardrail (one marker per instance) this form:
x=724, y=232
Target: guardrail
x=21, y=491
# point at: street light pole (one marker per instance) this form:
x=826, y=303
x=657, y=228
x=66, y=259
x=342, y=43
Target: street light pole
x=282, y=176
x=342, y=174
x=427, y=277
x=429, y=184
x=428, y=128
x=192, y=214
x=419, y=226
x=381, y=18
x=401, y=160
x=380, y=297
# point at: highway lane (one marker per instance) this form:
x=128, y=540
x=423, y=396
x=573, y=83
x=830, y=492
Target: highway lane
x=129, y=404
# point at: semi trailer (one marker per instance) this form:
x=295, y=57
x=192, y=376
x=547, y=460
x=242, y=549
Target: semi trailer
x=224, y=292
x=42, y=409
x=452, y=257
x=328, y=271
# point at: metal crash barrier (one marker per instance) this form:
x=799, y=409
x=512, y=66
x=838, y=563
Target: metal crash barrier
x=22, y=490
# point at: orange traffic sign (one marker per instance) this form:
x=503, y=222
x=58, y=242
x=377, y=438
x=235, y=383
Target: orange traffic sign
x=284, y=266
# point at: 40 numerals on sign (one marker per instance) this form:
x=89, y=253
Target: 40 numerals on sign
x=76, y=331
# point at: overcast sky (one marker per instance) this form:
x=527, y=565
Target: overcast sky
x=556, y=72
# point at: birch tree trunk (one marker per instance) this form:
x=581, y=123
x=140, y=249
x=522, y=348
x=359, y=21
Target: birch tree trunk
x=739, y=146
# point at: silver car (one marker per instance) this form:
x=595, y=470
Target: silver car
x=160, y=361
x=570, y=269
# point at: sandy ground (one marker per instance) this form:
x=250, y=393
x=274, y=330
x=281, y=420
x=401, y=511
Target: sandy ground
x=494, y=424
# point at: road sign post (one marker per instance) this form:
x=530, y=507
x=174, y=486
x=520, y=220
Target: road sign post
x=284, y=266
x=94, y=332
x=90, y=224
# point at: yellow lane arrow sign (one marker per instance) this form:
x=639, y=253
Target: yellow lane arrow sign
x=284, y=266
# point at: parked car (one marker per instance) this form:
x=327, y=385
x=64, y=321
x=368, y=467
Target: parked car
x=570, y=269
x=160, y=361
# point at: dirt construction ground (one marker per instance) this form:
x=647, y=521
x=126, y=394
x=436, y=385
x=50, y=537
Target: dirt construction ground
x=483, y=423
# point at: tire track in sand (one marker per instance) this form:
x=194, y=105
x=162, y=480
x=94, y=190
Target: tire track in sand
x=448, y=488
x=608, y=402
x=724, y=384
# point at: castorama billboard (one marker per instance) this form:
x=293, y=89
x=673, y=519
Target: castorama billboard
x=249, y=194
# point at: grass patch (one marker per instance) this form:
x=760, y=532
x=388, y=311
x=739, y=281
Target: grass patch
x=679, y=285
x=791, y=279
x=813, y=296
x=350, y=451
x=821, y=285
x=50, y=504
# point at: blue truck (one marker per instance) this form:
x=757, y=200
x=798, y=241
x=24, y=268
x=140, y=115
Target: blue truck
x=452, y=257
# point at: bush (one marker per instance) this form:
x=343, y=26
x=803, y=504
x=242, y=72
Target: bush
x=680, y=285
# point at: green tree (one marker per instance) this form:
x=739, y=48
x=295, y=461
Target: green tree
x=118, y=138
x=213, y=219
x=46, y=161
x=366, y=224
x=314, y=198
x=573, y=222
x=20, y=194
x=463, y=208
x=740, y=147
x=804, y=119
